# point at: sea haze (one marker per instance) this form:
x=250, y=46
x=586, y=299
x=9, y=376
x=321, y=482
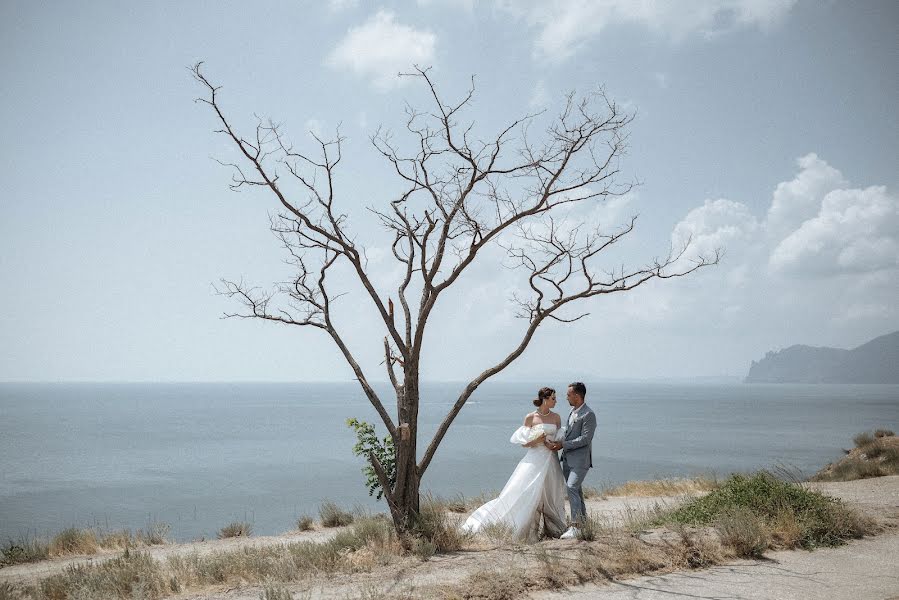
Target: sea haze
x=198, y=456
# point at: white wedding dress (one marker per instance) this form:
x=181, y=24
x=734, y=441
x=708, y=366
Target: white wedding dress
x=536, y=489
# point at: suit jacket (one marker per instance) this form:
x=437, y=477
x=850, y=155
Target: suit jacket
x=577, y=447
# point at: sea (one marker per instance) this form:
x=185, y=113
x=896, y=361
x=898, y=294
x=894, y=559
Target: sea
x=198, y=456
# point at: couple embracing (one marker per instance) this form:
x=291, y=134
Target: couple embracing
x=537, y=488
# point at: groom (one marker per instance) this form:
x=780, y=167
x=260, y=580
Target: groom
x=577, y=453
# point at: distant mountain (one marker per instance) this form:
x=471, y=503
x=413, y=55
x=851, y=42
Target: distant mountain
x=874, y=362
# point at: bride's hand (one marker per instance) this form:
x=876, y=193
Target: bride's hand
x=535, y=442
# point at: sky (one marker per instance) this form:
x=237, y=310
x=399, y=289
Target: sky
x=766, y=127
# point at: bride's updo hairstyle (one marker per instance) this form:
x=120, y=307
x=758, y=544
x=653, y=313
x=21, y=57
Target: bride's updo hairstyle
x=542, y=395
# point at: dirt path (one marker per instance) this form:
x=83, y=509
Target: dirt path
x=862, y=569
x=440, y=569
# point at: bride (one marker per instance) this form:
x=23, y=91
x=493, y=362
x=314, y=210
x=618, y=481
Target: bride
x=536, y=488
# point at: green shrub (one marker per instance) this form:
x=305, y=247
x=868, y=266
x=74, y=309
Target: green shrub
x=367, y=443
x=822, y=520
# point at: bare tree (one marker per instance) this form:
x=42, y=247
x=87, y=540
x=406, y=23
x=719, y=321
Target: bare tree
x=460, y=194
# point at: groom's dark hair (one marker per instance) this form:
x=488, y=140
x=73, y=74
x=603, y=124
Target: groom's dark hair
x=579, y=388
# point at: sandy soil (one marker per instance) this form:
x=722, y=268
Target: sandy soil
x=867, y=568
x=612, y=510
x=868, y=563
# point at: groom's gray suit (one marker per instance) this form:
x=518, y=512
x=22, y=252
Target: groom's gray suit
x=577, y=458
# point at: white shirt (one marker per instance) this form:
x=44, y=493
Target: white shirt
x=574, y=413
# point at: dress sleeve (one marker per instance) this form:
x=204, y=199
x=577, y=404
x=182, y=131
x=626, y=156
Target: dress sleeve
x=520, y=436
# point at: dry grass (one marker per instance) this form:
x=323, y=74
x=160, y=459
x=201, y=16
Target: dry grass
x=458, y=504
x=616, y=555
x=235, y=529
x=75, y=541
x=333, y=516
x=490, y=584
x=638, y=519
x=744, y=531
x=369, y=543
x=695, y=548
x=591, y=492
x=132, y=575
x=275, y=592
x=874, y=455
x=742, y=517
x=663, y=487
x=8, y=592
x=462, y=504
x=439, y=527
x=591, y=527
x=497, y=533
x=25, y=550
x=305, y=523
x=785, y=529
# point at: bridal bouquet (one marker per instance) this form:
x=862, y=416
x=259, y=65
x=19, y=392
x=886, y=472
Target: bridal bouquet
x=535, y=432
x=525, y=435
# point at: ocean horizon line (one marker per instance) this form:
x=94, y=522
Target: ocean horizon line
x=659, y=378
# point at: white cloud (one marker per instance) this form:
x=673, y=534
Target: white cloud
x=815, y=226
x=381, y=48
x=855, y=230
x=613, y=211
x=824, y=253
x=716, y=224
x=799, y=199
x=566, y=25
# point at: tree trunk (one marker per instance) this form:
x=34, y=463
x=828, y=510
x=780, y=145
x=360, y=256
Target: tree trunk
x=406, y=490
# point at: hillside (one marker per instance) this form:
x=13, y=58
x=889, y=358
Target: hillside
x=876, y=361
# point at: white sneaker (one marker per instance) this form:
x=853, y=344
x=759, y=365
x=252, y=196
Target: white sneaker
x=570, y=534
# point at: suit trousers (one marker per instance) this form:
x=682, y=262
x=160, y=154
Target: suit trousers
x=574, y=479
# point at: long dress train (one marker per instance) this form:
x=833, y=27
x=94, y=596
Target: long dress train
x=536, y=489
